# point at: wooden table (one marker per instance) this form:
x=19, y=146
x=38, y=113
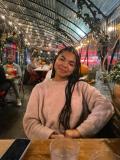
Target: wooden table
x=39, y=149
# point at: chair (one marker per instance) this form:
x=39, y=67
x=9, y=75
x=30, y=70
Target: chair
x=30, y=77
x=4, y=88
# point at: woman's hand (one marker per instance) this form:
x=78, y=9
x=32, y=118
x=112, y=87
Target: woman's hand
x=56, y=135
x=72, y=133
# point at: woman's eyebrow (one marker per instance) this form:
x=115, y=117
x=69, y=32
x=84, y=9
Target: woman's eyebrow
x=63, y=56
x=70, y=61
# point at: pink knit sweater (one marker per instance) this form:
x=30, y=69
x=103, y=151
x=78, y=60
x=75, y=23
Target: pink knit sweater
x=47, y=100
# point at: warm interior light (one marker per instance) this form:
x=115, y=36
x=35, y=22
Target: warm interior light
x=110, y=29
x=48, y=52
x=25, y=40
x=19, y=24
x=49, y=44
x=2, y=16
x=10, y=23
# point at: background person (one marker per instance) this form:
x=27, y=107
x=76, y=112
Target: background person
x=65, y=106
x=14, y=74
x=32, y=75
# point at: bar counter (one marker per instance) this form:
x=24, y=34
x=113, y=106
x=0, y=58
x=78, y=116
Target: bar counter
x=39, y=149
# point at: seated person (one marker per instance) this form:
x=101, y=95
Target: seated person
x=32, y=75
x=14, y=74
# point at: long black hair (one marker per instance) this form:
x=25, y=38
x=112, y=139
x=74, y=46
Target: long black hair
x=64, y=117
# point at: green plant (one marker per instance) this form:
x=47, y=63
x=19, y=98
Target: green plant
x=115, y=73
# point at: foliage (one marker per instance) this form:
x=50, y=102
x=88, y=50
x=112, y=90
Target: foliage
x=92, y=19
x=115, y=73
x=10, y=39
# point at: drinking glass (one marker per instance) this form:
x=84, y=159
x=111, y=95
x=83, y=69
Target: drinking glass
x=64, y=149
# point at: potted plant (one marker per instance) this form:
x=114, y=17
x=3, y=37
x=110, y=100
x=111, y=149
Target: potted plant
x=115, y=77
x=115, y=73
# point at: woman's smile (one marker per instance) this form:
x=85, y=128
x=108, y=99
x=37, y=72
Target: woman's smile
x=62, y=69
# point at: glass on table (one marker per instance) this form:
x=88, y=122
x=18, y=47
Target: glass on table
x=64, y=149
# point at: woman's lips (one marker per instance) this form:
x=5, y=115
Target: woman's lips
x=62, y=70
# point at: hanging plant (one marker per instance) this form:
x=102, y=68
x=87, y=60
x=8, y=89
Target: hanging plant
x=92, y=19
x=12, y=39
x=57, y=24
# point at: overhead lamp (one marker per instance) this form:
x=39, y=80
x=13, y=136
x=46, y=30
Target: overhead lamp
x=110, y=29
x=10, y=23
x=41, y=51
x=81, y=44
x=25, y=40
x=19, y=24
x=78, y=47
x=3, y=17
x=48, y=52
x=49, y=44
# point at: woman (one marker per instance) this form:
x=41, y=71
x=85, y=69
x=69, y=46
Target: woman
x=59, y=107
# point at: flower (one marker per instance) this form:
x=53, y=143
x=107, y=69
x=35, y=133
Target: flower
x=115, y=73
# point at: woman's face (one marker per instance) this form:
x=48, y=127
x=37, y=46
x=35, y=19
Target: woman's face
x=64, y=65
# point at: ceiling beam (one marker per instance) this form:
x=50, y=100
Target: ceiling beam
x=51, y=33
x=37, y=23
x=44, y=15
x=39, y=4
x=41, y=19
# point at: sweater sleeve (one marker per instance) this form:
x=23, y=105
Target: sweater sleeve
x=31, y=121
x=101, y=110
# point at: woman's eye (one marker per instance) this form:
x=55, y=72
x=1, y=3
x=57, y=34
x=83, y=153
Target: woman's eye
x=72, y=65
x=62, y=59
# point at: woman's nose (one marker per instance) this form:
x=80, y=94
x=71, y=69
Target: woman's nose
x=65, y=64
